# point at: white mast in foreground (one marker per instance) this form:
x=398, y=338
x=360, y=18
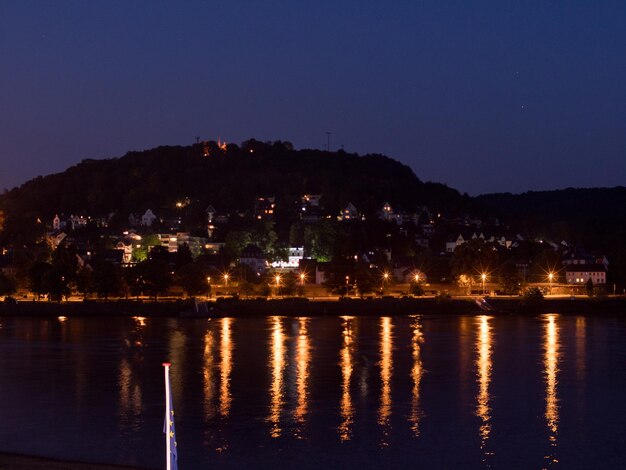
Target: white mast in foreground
x=171, y=454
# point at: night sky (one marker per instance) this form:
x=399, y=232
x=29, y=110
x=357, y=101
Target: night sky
x=483, y=96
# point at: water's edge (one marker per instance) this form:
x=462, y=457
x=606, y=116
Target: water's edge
x=256, y=307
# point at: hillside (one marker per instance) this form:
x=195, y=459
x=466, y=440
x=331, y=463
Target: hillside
x=228, y=178
x=590, y=216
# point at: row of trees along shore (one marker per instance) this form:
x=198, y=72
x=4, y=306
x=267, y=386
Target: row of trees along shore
x=164, y=273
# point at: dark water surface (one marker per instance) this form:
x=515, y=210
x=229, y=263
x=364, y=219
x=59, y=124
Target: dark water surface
x=290, y=392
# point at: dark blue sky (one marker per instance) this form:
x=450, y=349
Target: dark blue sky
x=483, y=96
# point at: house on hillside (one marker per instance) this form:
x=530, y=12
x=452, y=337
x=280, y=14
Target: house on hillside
x=264, y=208
x=310, y=200
x=505, y=241
x=310, y=209
x=387, y=214
x=253, y=257
x=577, y=256
x=55, y=238
x=294, y=255
x=77, y=221
x=148, y=218
x=213, y=219
x=210, y=214
x=73, y=222
x=126, y=247
x=348, y=213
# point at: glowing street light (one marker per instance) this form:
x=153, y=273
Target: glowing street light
x=417, y=278
x=302, y=278
x=277, y=279
x=483, y=276
x=550, y=278
x=385, y=279
x=226, y=276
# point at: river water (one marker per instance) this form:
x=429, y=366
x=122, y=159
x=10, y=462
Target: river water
x=290, y=392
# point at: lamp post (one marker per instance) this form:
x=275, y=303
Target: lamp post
x=208, y=281
x=385, y=279
x=550, y=278
x=302, y=278
x=226, y=280
x=483, y=276
x=277, y=279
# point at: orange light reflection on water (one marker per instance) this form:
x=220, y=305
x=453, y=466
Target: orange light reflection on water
x=207, y=375
x=277, y=364
x=302, y=373
x=417, y=372
x=484, y=366
x=551, y=369
x=226, y=355
x=386, y=369
x=346, y=357
x=581, y=357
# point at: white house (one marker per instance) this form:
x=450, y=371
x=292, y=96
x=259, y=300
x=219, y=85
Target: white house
x=210, y=214
x=581, y=273
x=77, y=221
x=296, y=253
x=127, y=248
x=148, y=218
x=452, y=244
x=253, y=257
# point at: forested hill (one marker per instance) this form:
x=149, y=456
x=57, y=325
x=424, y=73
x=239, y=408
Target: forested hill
x=229, y=178
x=594, y=217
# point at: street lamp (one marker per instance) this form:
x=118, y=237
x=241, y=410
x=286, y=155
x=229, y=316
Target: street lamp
x=550, y=278
x=277, y=279
x=417, y=278
x=226, y=276
x=302, y=277
x=483, y=276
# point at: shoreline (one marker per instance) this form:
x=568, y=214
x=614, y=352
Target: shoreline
x=11, y=461
x=305, y=307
